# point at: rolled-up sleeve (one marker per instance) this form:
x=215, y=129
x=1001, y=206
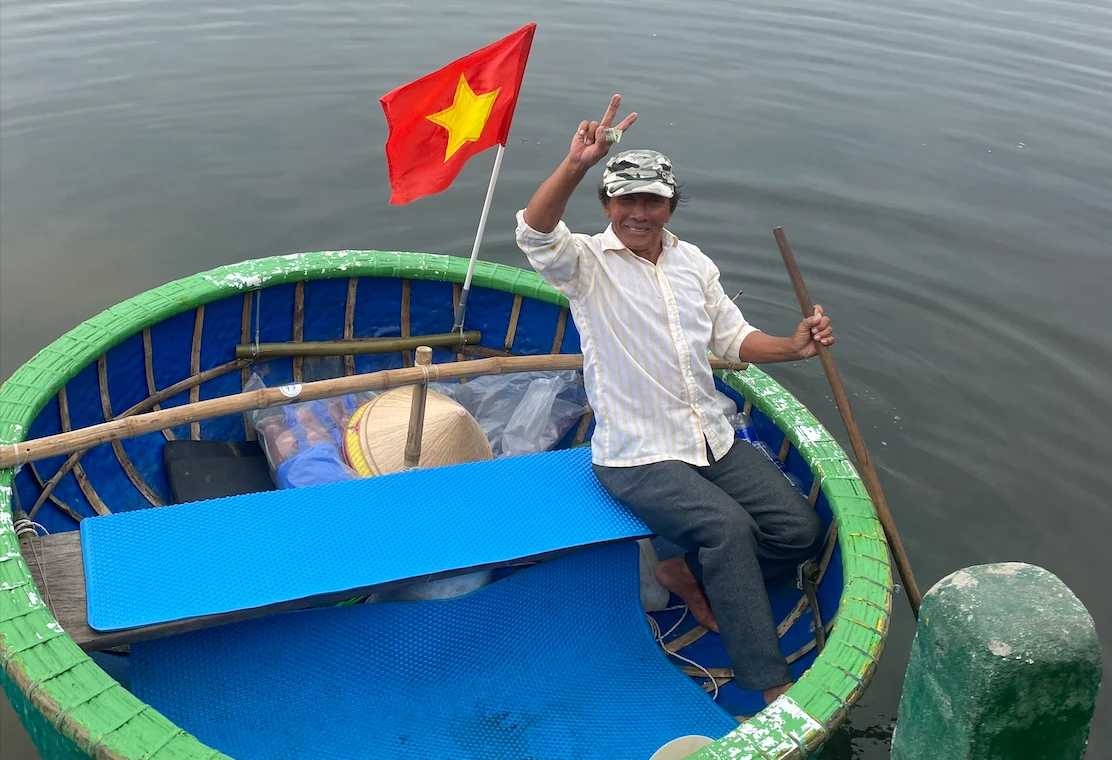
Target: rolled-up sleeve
x=556, y=256
x=729, y=326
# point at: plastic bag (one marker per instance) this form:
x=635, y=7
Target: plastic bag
x=524, y=412
x=304, y=442
x=445, y=588
x=654, y=597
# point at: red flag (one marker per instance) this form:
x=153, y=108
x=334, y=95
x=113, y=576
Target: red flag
x=441, y=120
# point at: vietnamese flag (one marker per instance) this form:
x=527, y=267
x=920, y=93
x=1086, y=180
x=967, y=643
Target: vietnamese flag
x=441, y=120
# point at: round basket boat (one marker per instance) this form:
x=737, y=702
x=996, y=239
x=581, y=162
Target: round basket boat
x=194, y=339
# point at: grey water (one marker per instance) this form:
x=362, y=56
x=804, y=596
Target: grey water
x=943, y=170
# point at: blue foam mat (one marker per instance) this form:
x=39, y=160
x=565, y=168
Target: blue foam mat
x=158, y=565
x=553, y=662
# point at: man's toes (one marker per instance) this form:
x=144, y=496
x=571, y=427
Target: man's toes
x=704, y=615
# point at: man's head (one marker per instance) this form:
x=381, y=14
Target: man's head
x=638, y=195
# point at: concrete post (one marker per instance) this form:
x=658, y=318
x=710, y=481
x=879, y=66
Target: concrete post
x=1006, y=665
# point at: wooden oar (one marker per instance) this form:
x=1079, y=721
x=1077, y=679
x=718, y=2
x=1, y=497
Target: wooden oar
x=141, y=424
x=868, y=474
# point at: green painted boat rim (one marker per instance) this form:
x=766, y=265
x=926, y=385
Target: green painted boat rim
x=86, y=706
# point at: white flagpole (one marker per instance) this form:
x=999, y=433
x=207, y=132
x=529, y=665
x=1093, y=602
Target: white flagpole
x=478, y=239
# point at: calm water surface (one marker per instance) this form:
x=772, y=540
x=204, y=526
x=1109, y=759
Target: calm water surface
x=943, y=170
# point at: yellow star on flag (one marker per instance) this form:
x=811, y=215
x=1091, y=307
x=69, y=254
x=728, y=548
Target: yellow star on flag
x=466, y=117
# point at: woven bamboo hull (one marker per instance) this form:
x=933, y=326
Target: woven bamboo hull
x=189, y=329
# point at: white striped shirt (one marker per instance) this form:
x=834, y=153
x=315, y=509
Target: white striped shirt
x=644, y=330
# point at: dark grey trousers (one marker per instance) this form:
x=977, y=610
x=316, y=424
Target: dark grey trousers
x=740, y=522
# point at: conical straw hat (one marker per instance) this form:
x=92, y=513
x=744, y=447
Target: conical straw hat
x=450, y=435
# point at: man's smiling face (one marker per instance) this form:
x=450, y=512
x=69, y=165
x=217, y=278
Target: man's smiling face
x=638, y=220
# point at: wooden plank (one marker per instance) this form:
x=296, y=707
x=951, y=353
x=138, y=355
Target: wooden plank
x=60, y=568
x=55, y=563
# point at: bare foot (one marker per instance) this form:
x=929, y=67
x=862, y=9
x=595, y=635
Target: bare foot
x=774, y=692
x=674, y=575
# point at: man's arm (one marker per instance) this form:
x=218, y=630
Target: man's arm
x=546, y=207
x=760, y=348
x=588, y=146
x=733, y=336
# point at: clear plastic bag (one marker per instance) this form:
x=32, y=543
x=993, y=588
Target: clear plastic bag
x=445, y=588
x=521, y=413
x=304, y=442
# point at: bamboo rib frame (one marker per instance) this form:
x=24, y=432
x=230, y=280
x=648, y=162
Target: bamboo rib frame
x=245, y=373
x=148, y=368
x=195, y=368
x=128, y=466
x=151, y=402
x=78, y=471
x=298, y=332
x=349, y=323
x=407, y=295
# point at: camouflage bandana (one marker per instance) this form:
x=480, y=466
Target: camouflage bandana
x=639, y=171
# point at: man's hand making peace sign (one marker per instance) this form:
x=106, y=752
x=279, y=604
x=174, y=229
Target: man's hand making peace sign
x=587, y=148
x=590, y=144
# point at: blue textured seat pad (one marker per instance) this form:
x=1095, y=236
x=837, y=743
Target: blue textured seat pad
x=553, y=662
x=242, y=552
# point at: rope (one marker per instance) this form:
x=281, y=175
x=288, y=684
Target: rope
x=18, y=463
x=682, y=617
x=26, y=527
x=655, y=628
x=426, y=374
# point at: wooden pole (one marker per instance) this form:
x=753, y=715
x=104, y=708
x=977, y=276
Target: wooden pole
x=422, y=358
x=357, y=346
x=141, y=424
x=868, y=474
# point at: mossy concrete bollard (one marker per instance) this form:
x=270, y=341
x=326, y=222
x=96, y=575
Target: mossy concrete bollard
x=1006, y=665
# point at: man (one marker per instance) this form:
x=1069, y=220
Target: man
x=648, y=307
